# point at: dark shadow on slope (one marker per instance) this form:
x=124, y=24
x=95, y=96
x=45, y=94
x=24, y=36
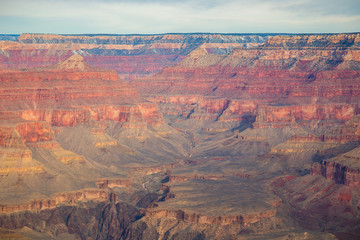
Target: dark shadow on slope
x=246, y=122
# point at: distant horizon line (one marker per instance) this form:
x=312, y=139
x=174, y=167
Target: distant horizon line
x=175, y=33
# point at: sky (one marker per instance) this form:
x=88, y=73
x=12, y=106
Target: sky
x=181, y=16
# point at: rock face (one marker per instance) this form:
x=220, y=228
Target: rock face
x=318, y=202
x=295, y=78
x=280, y=116
x=36, y=103
x=196, y=218
x=68, y=93
x=71, y=79
x=268, y=67
x=343, y=169
x=112, y=221
x=180, y=136
x=54, y=200
x=129, y=55
x=15, y=133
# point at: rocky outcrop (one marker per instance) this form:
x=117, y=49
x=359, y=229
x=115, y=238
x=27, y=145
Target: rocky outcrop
x=183, y=178
x=264, y=109
x=331, y=41
x=57, y=117
x=325, y=138
x=55, y=199
x=131, y=115
x=150, y=113
x=74, y=96
x=138, y=39
x=197, y=218
x=205, y=108
x=89, y=220
x=35, y=132
x=64, y=156
x=284, y=69
x=227, y=109
x=317, y=202
x=130, y=55
x=111, y=183
x=288, y=80
x=19, y=161
x=343, y=169
x=72, y=82
x=15, y=135
x=307, y=149
x=268, y=70
x=73, y=68
x=280, y=116
x=10, y=138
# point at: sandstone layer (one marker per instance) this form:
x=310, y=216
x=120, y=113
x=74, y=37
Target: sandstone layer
x=129, y=55
x=295, y=79
x=180, y=136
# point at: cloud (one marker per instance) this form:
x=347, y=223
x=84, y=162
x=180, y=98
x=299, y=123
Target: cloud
x=160, y=16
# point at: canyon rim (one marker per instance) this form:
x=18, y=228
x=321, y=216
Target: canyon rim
x=180, y=136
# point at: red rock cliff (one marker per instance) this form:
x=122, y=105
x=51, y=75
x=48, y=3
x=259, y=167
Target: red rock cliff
x=343, y=169
x=69, y=93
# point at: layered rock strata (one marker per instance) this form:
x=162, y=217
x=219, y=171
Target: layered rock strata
x=288, y=80
x=130, y=55
x=343, y=169
x=239, y=116
x=69, y=93
x=58, y=198
x=197, y=218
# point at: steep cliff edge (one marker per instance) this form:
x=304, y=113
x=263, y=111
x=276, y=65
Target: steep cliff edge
x=91, y=220
x=289, y=80
x=39, y=103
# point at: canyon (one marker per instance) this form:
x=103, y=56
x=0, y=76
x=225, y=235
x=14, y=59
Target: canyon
x=180, y=136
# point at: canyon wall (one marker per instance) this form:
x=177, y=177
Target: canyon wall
x=56, y=199
x=287, y=80
x=226, y=113
x=102, y=220
x=342, y=169
x=74, y=95
x=196, y=218
x=293, y=70
x=37, y=103
x=130, y=55
x=267, y=70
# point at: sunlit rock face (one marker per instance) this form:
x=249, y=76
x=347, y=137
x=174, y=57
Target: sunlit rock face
x=316, y=66
x=180, y=136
